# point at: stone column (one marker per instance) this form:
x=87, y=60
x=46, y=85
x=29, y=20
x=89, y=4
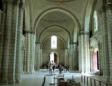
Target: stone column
x=80, y=53
x=32, y=51
x=66, y=56
x=70, y=56
x=19, y=61
x=37, y=56
x=27, y=58
x=82, y=56
x=29, y=51
x=100, y=58
x=84, y=51
x=41, y=58
x=2, y=19
x=107, y=42
x=10, y=24
x=87, y=52
x=91, y=59
x=109, y=28
x=12, y=43
x=6, y=27
x=75, y=57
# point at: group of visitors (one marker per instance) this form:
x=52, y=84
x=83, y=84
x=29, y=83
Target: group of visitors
x=52, y=66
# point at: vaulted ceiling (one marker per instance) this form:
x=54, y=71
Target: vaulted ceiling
x=63, y=18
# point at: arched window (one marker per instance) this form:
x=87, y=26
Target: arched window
x=95, y=21
x=53, y=42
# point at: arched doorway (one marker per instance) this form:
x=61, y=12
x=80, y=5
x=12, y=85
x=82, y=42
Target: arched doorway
x=54, y=57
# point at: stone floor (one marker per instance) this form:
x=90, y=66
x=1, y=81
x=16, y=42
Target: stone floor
x=37, y=78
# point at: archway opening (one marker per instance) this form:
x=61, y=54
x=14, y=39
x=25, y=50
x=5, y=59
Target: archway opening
x=95, y=59
x=53, y=57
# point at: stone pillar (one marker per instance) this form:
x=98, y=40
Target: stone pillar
x=70, y=56
x=12, y=44
x=74, y=56
x=66, y=56
x=19, y=61
x=100, y=57
x=37, y=56
x=1, y=40
x=32, y=51
x=109, y=28
x=82, y=57
x=6, y=27
x=29, y=51
x=10, y=24
x=27, y=58
x=84, y=51
x=41, y=58
x=91, y=59
x=107, y=42
x=80, y=53
x=87, y=52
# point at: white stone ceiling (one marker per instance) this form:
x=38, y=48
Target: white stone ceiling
x=57, y=17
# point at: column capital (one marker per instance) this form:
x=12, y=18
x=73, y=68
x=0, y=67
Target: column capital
x=29, y=32
x=107, y=5
x=73, y=43
x=83, y=33
x=37, y=42
x=22, y=4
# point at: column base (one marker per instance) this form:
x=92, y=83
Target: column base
x=18, y=81
x=3, y=82
x=12, y=82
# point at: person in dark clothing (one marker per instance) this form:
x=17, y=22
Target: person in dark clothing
x=60, y=69
x=53, y=68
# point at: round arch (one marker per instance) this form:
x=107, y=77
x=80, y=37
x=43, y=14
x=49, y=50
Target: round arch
x=60, y=27
x=87, y=15
x=48, y=37
x=67, y=12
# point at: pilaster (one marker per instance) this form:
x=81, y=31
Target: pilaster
x=107, y=42
x=37, y=56
x=6, y=27
x=109, y=28
x=84, y=49
x=19, y=61
x=29, y=51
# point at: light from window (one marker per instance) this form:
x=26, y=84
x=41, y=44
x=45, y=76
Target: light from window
x=53, y=42
x=52, y=56
x=95, y=22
